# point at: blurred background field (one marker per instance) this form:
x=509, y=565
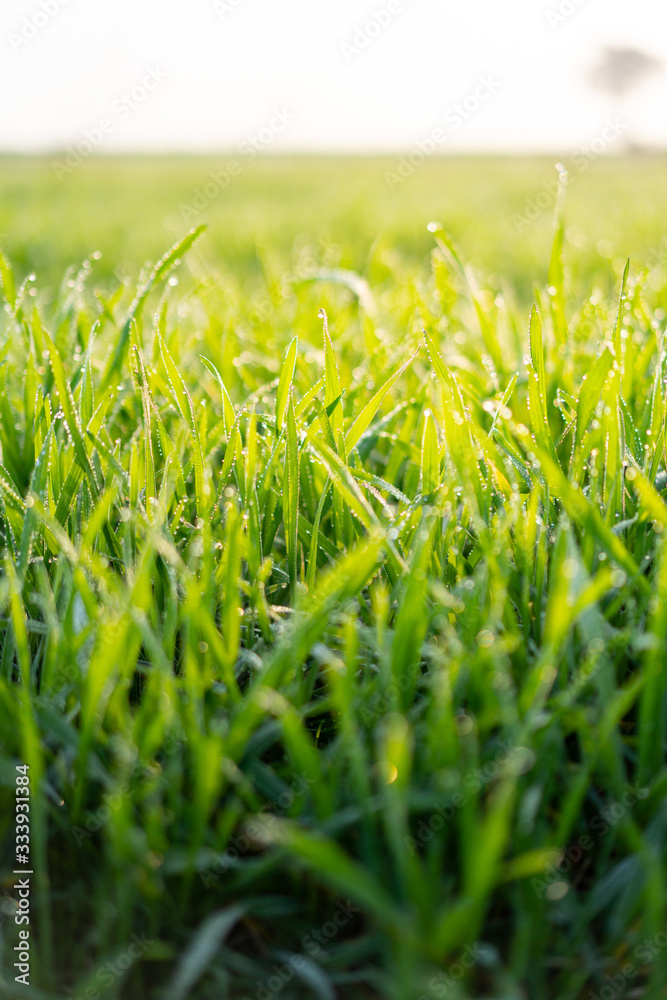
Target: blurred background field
x=333, y=211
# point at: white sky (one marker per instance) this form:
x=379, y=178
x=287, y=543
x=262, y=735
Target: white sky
x=228, y=70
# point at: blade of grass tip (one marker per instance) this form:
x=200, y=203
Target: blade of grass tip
x=380, y=484
x=345, y=579
x=325, y=426
x=228, y=413
x=254, y=523
x=170, y=260
x=616, y=336
x=285, y=383
x=149, y=463
x=363, y=421
x=507, y=395
x=291, y=493
x=556, y=275
x=68, y=492
x=589, y=396
x=230, y=456
x=18, y=616
x=268, y=473
x=339, y=474
x=459, y=430
x=589, y=518
x=70, y=414
x=29, y=410
x=349, y=491
x=87, y=396
x=11, y=452
x=108, y=457
x=332, y=396
x=232, y=423
x=312, y=555
x=453, y=257
x=413, y=618
x=186, y=408
x=38, y=484
x=250, y=472
x=430, y=457
x=304, y=403
x=657, y=422
x=330, y=407
x=537, y=388
x=332, y=386
x=7, y=281
x=231, y=603
x=615, y=449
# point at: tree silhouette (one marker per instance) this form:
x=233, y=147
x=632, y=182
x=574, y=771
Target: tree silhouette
x=621, y=70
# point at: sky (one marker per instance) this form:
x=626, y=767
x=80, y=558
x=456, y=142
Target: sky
x=323, y=75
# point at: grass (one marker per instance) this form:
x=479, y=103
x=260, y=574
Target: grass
x=334, y=610
x=284, y=213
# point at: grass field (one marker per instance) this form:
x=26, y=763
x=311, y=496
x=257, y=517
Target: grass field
x=334, y=590
x=338, y=211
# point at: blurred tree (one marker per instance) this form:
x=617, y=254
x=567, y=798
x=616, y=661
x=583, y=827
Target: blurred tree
x=619, y=71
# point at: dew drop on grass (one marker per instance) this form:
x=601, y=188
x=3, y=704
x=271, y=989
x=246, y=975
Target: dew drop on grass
x=386, y=772
x=485, y=638
x=557, y=890
x=464, y=724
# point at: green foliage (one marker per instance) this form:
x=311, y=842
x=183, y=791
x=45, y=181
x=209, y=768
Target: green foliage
x=357, y=628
